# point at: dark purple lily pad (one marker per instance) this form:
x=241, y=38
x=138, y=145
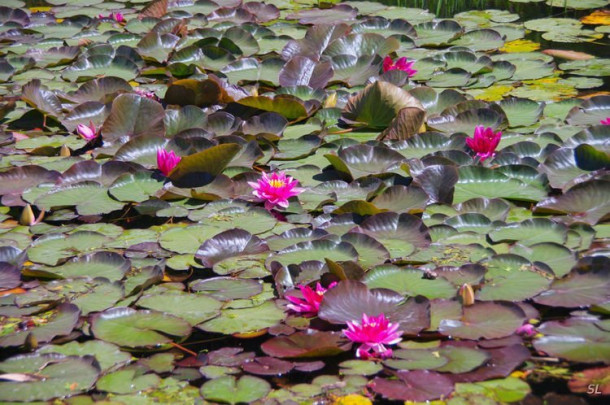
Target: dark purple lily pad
x=417, y=385
x=489, y=320
x=267, y=366
x=228, y=244
x=10, y=276
x=350, y=299
x=308, y=343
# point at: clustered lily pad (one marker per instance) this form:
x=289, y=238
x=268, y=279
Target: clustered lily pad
x=298, y=201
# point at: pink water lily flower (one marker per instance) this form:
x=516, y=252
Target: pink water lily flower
x=401, y=64
x=118, y=17
x=484, y=142
x=166, y=161
x=526, y=329
x=275, y=189
x=605, y=122
x=309, y=305
x=373, y=332
x=87, y=132
x=146, y=93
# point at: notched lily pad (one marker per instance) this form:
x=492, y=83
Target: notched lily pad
x=128, y=327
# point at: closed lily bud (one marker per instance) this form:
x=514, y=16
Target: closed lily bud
x=64, y=151
x=254, y=91
x=27, y=216
x=331, y=100
x=466, y=294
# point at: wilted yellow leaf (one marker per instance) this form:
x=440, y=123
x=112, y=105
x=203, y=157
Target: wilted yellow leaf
x=353, y=399
x=520, y=45
x=493, y=93
x=598, y=17
x=42, y=9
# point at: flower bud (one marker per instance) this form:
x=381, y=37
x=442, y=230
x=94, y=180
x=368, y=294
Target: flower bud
x=27, y=216
x=331, y=100
x=466, y=294
x=64, y=151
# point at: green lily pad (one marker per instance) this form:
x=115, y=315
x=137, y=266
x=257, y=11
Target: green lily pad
x=89, y=198
x=512, y=278
x=531, y=231
x=245, y=320
x=128, y=327
x=193, y=308
x=378, y=104
x=64, y=376
x=136, y=187
x=579, y=340
x=101, y=264
x=231, y=390
x=315, y=250
x=476, y=181
x=106, y=354
x=408, y=282
x=127, y=380
x=57, y=322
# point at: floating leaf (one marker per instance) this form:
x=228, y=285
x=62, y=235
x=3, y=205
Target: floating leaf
x=418, y=385
x=229, y=389
x=350, y=299
x=486, y=319
x=54, y=323
x=245, y=320
x=378, y=104
x=306, y=344
x=575, y=339
x=128, y=327
x=64, y=376
x=200, y=168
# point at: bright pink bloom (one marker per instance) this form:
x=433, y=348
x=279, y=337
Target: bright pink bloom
x=275, y=189
x=310, y=304
x=401, y=64
x=118, y=17
x=87, y=132
x=145, y=93
x=605, y=122
x=166, y=161
x=373, y=332
x=484, y=142
x=526, y=329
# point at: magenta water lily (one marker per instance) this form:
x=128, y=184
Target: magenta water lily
x=167, y=160
x=118, y=17
x=87, y=132
x=275, y=189
x=373, y=332
x=309, y=305
x=606, y=121
x=146, y=93
x=400, y=64
x=484, y=142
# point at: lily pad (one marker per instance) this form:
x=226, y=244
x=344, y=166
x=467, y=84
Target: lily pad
x=486, y=319
x=128, y=327
x=64, y=376
x=231, y=390
x=575, y=339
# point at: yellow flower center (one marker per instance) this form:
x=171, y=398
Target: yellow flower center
x=277, y=183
